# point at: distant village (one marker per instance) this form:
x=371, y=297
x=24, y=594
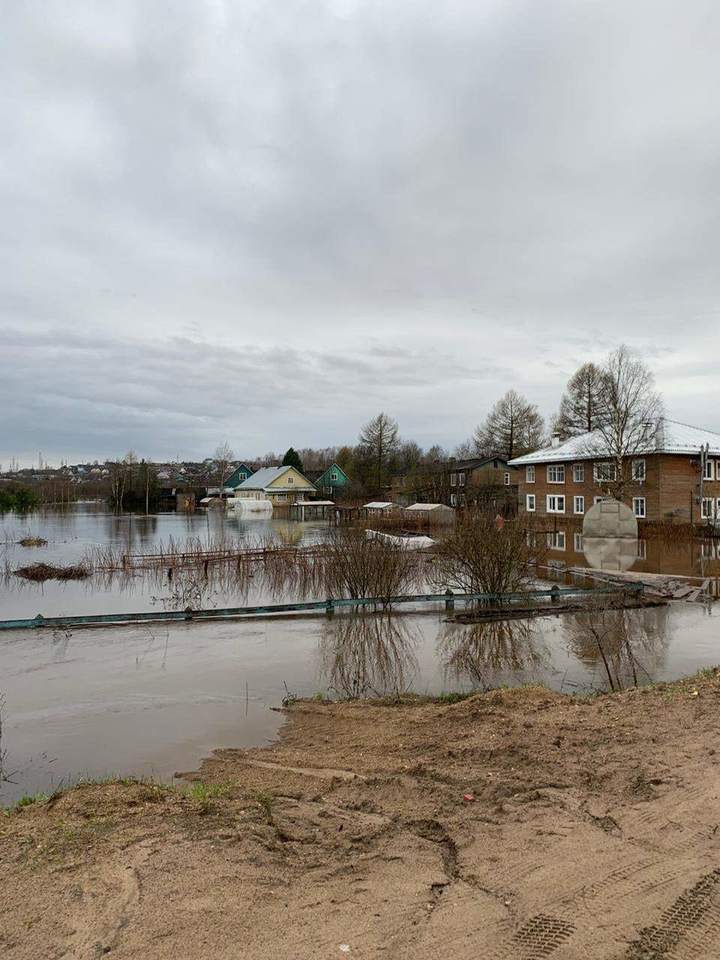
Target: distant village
x=610, y=438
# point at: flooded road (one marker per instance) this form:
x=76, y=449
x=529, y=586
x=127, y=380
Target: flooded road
x=155, y=699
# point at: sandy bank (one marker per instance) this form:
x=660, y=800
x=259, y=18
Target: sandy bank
x=593, y=831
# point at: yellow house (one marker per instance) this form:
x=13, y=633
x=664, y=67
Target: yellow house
x=280, y=485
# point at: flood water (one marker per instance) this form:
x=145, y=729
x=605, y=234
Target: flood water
x=157, y=698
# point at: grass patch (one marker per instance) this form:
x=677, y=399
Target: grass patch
x=29, y=800
x=451, y=697
x=265, y=803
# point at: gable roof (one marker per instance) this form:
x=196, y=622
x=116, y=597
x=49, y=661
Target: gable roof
x=262, y=479
x=240, y=468
x=667, y=436
x=333, y=466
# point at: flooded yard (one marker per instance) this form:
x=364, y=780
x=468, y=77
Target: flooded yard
x=157, y=698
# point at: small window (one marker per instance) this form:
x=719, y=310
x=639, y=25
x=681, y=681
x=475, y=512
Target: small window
x=578, y=542
x=639, y=507
x=708, y=472
x=529, y=474
x=461, y=479
x=290, y=480
x=555, y=504
x=462, y=500
x=642, y=549
x=597, y=500
x=708, y=508
x=506, y=479
x=453, y=499
x=605, y=472
x=530, y=502
x=333, y=476
x=453, y=479
x=556, y=540
x=556, y=473
x=638, y=471
x=579, y=505
x=579, y=473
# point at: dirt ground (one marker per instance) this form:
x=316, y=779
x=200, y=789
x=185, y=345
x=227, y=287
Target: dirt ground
x=515, y=824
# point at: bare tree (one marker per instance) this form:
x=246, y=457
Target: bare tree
x=631, y=408
x=378, y=442
x=224, y=462
x=121, y=478
x=481, y=555
x=512, y=428
x=581, y=407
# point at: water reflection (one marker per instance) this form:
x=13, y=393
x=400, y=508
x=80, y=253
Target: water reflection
x=481, y=653
x=610, y=553
x=369, y=655
x=626, y=647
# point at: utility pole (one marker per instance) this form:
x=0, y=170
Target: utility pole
x=704, y=451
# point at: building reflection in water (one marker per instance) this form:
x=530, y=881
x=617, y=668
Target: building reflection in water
x=482, y=653
x=369, y=654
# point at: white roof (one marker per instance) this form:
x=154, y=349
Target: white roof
x=314, y=503
x=424, y=507
x=669, y=436
x=262, y=479
x=379, y=505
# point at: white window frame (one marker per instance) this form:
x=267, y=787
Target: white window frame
x=597, y=500
x=453, y=499
x=555, y=540
x=605, y=463
x=333, y=476
x=581, y=501
x=530, y=474
x=555, y=470
x=703, y=510
x=709, y=473
x=453, y=479
x=642, y=549
x=639, y=475
x=461, y=479
x=578, y=473
x=506, y=478
x=639, y=508
x=528, y=498
x=578, y=542
x=555, y=508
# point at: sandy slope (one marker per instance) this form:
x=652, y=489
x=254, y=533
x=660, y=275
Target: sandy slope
x=594, y=832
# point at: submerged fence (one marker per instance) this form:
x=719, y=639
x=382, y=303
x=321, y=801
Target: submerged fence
x=328, y=606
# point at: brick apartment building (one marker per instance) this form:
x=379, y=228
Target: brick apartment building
x=564, y=480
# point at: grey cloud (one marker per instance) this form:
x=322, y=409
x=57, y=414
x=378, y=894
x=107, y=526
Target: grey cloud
x=423, y=198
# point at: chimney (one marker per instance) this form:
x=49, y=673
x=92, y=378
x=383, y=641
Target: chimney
x=555, y=441
x=660, y=434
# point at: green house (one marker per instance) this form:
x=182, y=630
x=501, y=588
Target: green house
x=239, y=475
x=331, y=481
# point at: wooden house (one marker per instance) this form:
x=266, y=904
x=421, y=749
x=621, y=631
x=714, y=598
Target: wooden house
x=280, y=485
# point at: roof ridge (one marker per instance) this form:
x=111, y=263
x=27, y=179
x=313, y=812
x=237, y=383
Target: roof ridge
x=691, y=426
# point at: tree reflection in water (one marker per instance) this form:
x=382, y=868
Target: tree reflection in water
x=627, y=645
x=369, y=654
x=481, y=652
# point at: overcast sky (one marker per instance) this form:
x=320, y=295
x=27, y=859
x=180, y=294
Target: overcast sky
x=265, y=221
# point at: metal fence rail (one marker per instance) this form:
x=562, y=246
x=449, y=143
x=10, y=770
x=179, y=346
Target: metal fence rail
x=328, y=606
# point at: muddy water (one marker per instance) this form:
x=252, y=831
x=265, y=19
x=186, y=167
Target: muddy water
x=155, y=699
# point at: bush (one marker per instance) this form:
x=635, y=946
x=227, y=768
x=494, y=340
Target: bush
x=483, y=556
x=18, y=498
